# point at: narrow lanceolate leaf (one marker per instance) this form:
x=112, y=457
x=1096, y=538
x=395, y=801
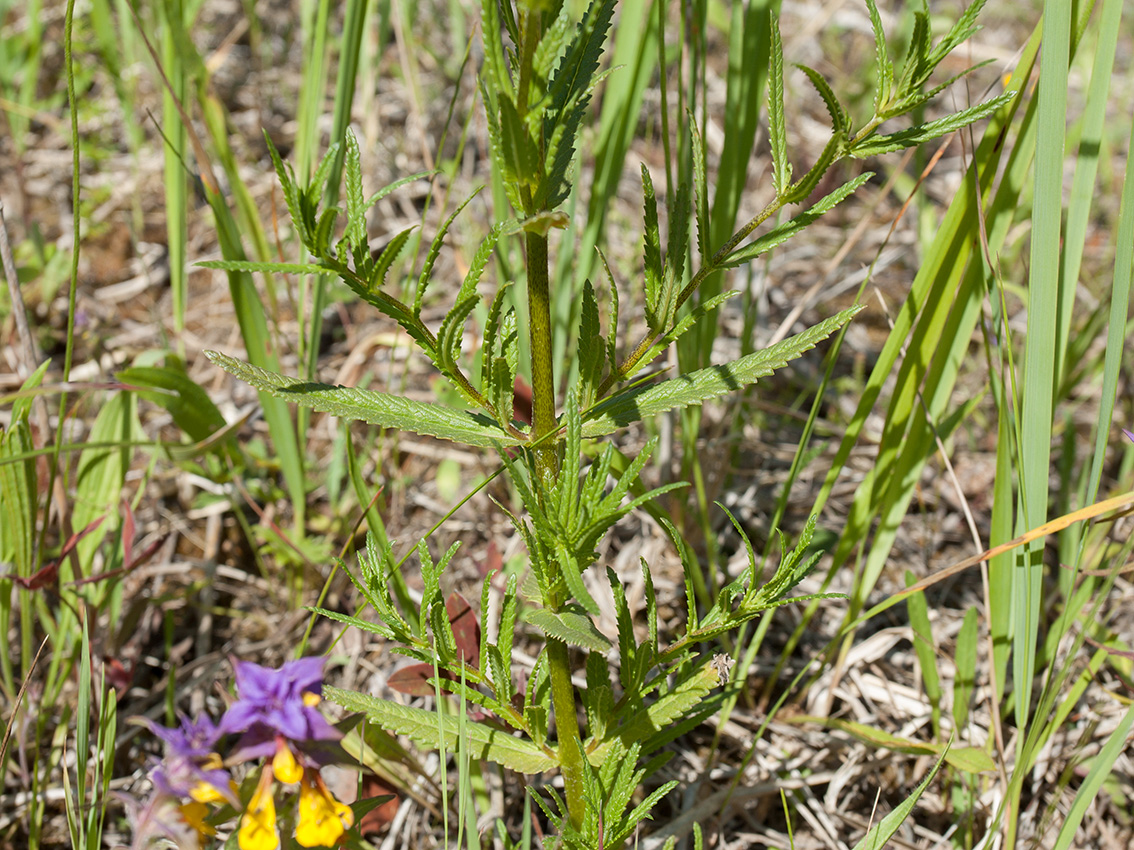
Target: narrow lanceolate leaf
x=271, y=268
x=840, y=120
x=521, y=158
x=434, y=251
x=356, y=212
x=377, y=408
x=570, y=625
x=651, y=247
x=885, y=67
x=696, y=387
x=965, y=658
x=592, y=349
x=1099, y=773
x=925, y=132
x=880, y=834
x=777, y=129
x=969, y=759
x=429, y=728
x=792, y=226
x=684, y=323
x=700, y=190
x=397, y=184
x=192, y=409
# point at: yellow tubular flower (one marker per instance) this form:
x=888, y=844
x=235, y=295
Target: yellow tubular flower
x=322, y=818
x=194, y=815
x=284, y=765
x=203, y=792
x=258, y=826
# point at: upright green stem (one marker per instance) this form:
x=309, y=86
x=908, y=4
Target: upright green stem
x=546, y=452
x=543, y=373
x=546, y=468
x=567, y=728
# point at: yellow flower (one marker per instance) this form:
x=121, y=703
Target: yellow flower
x=258, y=825
x=322, y=818
x=284, y=765
x=194, y=815
x=203, y=792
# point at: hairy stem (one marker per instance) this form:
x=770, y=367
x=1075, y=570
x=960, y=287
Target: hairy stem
x=546, y=468
x=543, y=373
x=567, y=729
x=546, y=453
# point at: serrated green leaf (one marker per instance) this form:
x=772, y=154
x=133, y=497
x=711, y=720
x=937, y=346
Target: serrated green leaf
x=397, y=184
x=377, y=408
x=964, y=27
x=883, y=65
x=570, y=625
x=567, y=485
x=480, y=260
x=685, y=323
x=449, y=338
x=591, y=348
x=427, y=727
x=875, y=145
x=552, y=44
x=508, y=621
x=777, y=124
x=495, y=72
x=840, y=120
x=668, y=708
x=792, y=226
x=700, y=190
x=916, y=67
x=651, y=249
x=352, y=178
x=572, y=574
x=641, y=812
x=314, y=190
x=434, y=251
x=569, y=91
x=358, y=622
x=520, y=155
x=802, y=188
x=638, y=403
x=612, y=331
x=676, y=256
x=377, y=277
x=290, y=192
x=651, y=609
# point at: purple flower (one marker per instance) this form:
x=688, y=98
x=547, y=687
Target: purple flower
x=186, y=782
x=191, y=767
x=192, y=739
x=274, y=704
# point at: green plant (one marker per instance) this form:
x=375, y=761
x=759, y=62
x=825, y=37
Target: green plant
x=541, y=68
